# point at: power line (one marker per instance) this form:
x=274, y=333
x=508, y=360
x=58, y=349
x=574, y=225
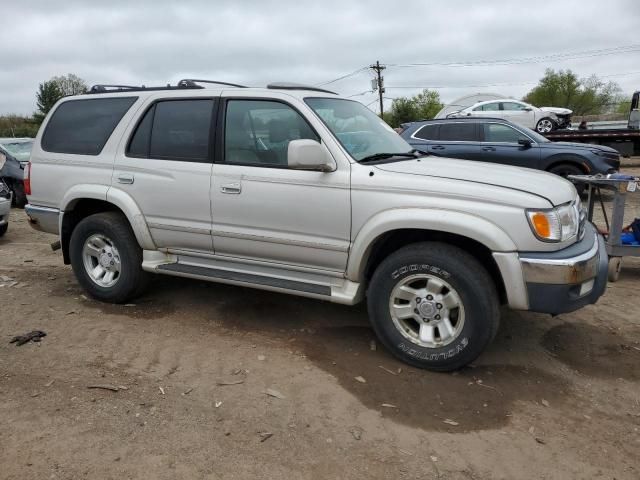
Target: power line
x=355, y=72
x=515, y=61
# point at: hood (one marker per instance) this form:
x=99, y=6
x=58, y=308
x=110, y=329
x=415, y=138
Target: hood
x=557, y=110
x=580, y=146
x=546, y=185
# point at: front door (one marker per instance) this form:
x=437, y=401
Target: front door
x=264, y=211
x=166, y=168
x=500, y=145
x=518, y=113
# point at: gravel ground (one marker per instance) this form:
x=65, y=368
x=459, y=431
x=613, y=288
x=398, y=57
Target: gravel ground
x=553, y=398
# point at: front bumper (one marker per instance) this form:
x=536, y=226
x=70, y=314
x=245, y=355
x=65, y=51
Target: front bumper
x=44, y=219
x=564, y=281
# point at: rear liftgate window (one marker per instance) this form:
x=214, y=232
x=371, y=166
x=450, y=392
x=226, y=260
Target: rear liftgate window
x=83, y=127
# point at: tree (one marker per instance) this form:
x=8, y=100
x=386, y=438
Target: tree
x=590, y=96
x=70, y=84
x=48, y=94
x=423, y=106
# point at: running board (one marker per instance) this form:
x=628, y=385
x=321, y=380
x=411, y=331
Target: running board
x=249, y=279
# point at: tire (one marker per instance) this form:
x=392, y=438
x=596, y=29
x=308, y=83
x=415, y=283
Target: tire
x=615, y=265
x=3, y=229
x=565, y=169
x=19, y=197
x=450, y=275
x=106, y=239
x=545, y=125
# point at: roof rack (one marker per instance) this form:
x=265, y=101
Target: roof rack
x=297, y=86
x=193, y=83
x=133, y=88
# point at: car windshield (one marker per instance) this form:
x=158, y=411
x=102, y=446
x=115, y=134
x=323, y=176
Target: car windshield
x=537, y=137
x=20, y=150
x=360, y=131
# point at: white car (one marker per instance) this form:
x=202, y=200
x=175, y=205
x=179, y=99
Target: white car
x=294, y=189
x=542, y=120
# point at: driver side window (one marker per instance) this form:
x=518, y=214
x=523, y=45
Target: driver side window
x=498, y=133
x=258, y=132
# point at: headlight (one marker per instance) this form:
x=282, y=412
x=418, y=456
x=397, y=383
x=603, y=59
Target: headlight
x=556, y=224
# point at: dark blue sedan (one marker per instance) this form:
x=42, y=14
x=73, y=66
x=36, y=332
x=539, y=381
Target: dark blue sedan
x=500, y=141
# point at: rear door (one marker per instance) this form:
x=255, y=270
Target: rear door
x=165, y=164
x=457, y=140
x=500, y=145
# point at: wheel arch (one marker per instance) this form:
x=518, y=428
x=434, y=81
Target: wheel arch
x=393, y=230
x=79, y=204
x=564, y=159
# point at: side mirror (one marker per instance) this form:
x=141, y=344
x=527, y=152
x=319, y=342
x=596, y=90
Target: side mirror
x=527, y=109
x=525, y=142
x=309, y=155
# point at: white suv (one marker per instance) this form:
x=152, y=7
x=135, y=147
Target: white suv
x=294, y=189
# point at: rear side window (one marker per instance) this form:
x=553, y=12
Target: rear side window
x=428, y=132
x=83, y=127
x=174, y=130
x=458, y=132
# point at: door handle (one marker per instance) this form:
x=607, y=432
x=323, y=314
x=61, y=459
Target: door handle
x=437, y=147
x=489, y=149
x=232, y=188
x=125, y=178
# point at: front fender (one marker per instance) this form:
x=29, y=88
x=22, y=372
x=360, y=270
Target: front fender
x=459, y=223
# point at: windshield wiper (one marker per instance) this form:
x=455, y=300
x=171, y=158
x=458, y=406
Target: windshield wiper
x=385, y=156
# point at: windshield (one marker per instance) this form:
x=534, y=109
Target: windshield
x=20, y=150
x=537, y=137
x=360, y=131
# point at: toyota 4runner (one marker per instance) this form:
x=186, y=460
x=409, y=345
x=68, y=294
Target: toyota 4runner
x=295, y=189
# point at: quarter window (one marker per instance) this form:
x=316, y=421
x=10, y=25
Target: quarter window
x=428, y=132
x=458, y=132
x=83, y=127
x=496, y=132
x=174, y=130
x=258, y=132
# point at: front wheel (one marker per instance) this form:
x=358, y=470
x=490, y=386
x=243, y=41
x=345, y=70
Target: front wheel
x=433, y=306
x=3, y=229
x=106, y=258
x=545, y=125
x=564, y=170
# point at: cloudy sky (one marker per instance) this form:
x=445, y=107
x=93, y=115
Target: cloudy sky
x=256, y=42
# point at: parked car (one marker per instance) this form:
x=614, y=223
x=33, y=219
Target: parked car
x=5, y=203
x=17, y=152
x=297, y=190
x=542, y=120
x=499, y=141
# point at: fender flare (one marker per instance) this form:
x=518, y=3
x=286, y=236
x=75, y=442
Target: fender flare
x=450, y=221
x=120, y=199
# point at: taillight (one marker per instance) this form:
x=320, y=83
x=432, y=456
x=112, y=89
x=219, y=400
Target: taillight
x=27, y=179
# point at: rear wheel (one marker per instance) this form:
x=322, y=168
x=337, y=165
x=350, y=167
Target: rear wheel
x=433, y=306
x=545, y=125
x=3, y=229
x=566, y=169
x=107, y=259
x=19, y=197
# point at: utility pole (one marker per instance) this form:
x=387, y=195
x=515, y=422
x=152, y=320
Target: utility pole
x=380, y=81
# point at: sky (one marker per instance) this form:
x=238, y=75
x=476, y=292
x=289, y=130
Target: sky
x=153, y=42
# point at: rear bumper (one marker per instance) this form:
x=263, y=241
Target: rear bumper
x=564, y=281
x=44, y=219
x=5, y=208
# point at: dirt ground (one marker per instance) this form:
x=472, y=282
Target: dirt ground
x=552, y=398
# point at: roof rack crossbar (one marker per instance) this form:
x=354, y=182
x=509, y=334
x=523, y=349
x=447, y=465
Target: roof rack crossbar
x=192, y=82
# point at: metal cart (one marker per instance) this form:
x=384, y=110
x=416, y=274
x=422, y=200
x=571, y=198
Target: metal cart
x=620, y=186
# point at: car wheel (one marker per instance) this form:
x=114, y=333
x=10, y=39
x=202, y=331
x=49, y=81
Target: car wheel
x=106, y=258
x=3, y=229
x=566, y=169
x=433, y=306
x=545, y=125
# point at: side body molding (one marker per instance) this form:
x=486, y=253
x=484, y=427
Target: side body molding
x=450, y=221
